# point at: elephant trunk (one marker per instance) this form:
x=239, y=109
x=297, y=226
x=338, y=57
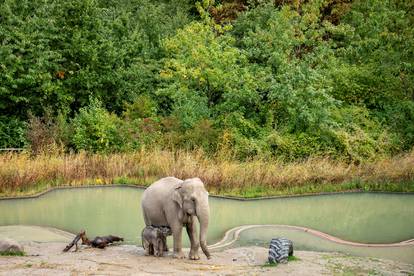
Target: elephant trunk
x=203, y=217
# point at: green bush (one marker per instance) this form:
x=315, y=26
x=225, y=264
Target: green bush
x=142, y=107
x=12, y=133
x=202, y=135
x=97, y=130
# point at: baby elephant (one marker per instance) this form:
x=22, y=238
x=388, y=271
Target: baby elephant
x=154, y=240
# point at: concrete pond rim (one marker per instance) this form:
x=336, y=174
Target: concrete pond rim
x=142, y=187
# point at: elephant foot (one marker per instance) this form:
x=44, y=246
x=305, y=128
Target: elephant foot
x=194, y=257
x=178, y=255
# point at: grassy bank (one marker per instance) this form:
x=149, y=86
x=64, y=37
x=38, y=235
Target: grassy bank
x=22, y=174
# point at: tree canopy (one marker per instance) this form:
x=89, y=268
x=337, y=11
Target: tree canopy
x=275, y=79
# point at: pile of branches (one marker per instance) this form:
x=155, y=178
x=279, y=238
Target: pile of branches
x=98, y=242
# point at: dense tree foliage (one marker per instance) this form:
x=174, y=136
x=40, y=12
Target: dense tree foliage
x=284, y=79
x=57, y=54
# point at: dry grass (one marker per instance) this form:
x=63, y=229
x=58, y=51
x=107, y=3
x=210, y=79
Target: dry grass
x=24, y=174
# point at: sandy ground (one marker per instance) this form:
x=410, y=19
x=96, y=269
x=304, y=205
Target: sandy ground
x=48, y=259
x=44, y=256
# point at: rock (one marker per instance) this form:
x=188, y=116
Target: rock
x=10, y=246
x=279, y=250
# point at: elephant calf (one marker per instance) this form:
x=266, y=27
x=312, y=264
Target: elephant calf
x=154, y=240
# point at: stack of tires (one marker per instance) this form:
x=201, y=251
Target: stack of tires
x=279, y=250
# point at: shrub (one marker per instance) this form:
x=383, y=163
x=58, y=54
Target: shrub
x=97, y=130
x=12, y=132
x=202, y=135
x=142, y=107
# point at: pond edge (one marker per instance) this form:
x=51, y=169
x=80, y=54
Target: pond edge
x=64, y=187
x=233, y=234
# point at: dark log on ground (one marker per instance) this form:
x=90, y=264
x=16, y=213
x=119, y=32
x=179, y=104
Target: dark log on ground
x=75, y=241
x=99, y=242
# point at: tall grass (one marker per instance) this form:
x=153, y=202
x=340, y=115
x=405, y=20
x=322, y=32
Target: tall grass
x=21, y=173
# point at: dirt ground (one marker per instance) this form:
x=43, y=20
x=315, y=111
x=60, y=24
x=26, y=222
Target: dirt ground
x=48, y=259
x=44, y=256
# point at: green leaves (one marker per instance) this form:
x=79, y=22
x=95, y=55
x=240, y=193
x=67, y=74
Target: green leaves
x=56, y=54
x=210, y=67
x=12, y=133
x=96, y=130
x=285, y=79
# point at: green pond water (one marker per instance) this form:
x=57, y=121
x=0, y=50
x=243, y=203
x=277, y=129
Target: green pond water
x=359, y=217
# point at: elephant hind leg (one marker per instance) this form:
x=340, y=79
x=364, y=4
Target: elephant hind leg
x=151, y=249
x=146, y=246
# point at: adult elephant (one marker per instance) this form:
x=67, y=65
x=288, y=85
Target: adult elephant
x=176, y=203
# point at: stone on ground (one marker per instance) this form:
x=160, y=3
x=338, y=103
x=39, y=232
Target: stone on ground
x=10, y=246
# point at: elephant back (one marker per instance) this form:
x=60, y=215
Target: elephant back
x=161, y=188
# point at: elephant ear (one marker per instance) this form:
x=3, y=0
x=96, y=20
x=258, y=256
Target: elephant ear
x=176, y=196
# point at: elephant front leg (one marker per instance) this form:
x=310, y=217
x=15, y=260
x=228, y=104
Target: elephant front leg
x=195, y=244
x=159, y=248
x=178, y=253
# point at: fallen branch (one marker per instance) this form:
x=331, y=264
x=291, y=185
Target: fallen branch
x=98, y=242
x=75, y=241
x=101, y=242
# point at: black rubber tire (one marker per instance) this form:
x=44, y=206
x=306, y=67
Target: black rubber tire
x=279, y=250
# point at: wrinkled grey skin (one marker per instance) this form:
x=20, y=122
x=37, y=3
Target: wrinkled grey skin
x=176, y=203
x=154, y=240
x=166, y=231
